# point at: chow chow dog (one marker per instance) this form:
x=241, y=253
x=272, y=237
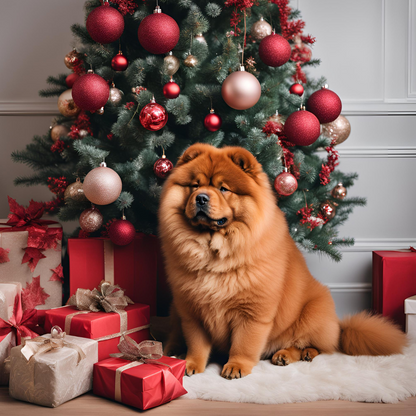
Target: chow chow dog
x=238, y=280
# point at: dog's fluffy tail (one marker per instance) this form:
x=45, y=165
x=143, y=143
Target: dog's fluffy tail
x=367, y=334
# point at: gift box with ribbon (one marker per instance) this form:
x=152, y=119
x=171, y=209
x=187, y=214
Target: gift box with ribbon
x=394, y=280
x=102, y=314
x=134, y=266
x=140, y=376
x=30, y=253
x=52, y=369
x=410, y=311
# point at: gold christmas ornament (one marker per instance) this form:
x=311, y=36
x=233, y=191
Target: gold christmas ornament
x=66, y=105
x=83, y=133
x=277, y=118
x=100, y=111
x=328, y=209
x=338, y=130
x=59, y=131
x=91, y=220
x=171, y=64
x=260, y=30
x=75, y=192
x=72, y=58
x=190, y=61
x=116, y=96
x=339, y=192
x=200, y=38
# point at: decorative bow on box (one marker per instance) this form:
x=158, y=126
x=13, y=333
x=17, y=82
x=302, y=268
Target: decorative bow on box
x=147, y=351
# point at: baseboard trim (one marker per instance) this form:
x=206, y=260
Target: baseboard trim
x=374, y=244
x=349, y=287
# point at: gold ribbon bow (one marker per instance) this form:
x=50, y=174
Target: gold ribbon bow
x=145, y=351
x=41, y=345
x=107, y=297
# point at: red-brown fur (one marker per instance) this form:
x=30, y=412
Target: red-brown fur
x=244, y=287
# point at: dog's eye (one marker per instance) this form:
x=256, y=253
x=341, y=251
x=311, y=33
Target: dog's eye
x=195, y=186
x=222, y=189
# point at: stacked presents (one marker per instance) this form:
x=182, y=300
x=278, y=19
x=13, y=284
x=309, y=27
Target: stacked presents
x=100, y=340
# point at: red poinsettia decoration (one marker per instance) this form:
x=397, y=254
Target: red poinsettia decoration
x=20, y=216
x=32, y=256
x=33, y=294
x=58, y=274
x=4, y=255
x=44, y=239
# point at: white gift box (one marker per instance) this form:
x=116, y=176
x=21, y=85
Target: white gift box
x=410, y=311
x=8, y=292
x=54, y=377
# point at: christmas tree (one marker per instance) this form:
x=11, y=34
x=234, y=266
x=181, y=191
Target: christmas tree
x=235, y=82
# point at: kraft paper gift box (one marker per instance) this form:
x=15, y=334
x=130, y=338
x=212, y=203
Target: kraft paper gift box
x=141, y=383
x=410, y=311
x=133, y=267
x=30, y=253
x=394, y=280
x=101, y=326
x=55, y=376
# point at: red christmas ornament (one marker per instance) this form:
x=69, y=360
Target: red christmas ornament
x=90, y=92
x=297, y=89
x=70, y=79
x=119, y=62
x=285, y=184
x=105, y=24
x=171, y=90
x=274, y=50
x=212, y=121
x=121, y=232
x=158, y=33
x=153, y=116
x=302, y=128
x=162, y=167
x=325, y=104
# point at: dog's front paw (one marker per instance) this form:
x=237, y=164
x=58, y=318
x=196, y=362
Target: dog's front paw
x=308, y=354
x=235, y=369
x=193, y=367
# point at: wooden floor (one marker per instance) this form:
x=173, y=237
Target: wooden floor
x=90, y=405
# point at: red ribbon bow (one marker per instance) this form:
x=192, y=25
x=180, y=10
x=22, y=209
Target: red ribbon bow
x=21, y=323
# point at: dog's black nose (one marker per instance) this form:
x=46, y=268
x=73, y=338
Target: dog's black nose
x=202, y=199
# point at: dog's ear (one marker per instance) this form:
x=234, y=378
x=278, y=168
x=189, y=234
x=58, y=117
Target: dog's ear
x=191, y=153
x=244, y=160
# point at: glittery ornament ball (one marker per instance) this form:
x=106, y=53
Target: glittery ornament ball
x=158, y=33
x=171, y=64
x=90, y=92
x=260, y=30
x=153, y=117
x=302, y=128
x=285, y=184
x=105, y=24
x=274, y=50
x=119, y=62
x=162, y=167
x=296, y=89
x=116, y=96
x=171, y=90
x=70, y=79
x=339, y=191
x=59, y=131
x=328, y=210
x=338, y=130
x=241, y=90
x=121, y=232
x=212, y=122
x=75, y=192
x=102, y=186
x=325, y=104
x=91, y=220
x=66, y=104
x=72, y=58
x=190, y=61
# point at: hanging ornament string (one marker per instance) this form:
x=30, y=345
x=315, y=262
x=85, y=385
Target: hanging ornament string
x=244, y=41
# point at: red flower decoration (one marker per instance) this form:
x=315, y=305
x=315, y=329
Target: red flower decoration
x=44, y=239
x=311, y=220
x=32, y=256
x=58, y=146
x=4, y=255
x=57, y=275
x=33, y=294
x=20, y=216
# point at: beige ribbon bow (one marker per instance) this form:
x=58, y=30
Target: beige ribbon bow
x=145, y=351
x=107, y=297
x=41, y=345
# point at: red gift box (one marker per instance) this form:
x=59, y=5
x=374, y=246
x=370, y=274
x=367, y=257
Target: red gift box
x=143, y=386
x=132, y=267
x=97, y=325
x=394, y=280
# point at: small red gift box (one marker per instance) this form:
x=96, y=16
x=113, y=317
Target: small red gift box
x=394, y=280
x=132, y=267
x=144, y=385
x=101, y=326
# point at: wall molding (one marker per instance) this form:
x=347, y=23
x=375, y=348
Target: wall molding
x=29, y=108
x=349, y=287
x=378, y=152
x=374, y=244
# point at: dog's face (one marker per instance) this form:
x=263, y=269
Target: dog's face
x=215, y=189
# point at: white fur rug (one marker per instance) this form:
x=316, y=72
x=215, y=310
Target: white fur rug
x=327, y=377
